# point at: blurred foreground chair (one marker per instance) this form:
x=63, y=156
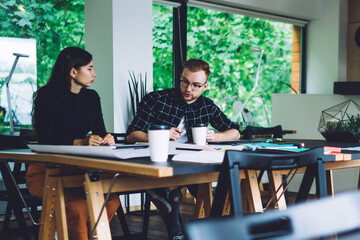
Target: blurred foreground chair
x=311, y=220
x=234, y=160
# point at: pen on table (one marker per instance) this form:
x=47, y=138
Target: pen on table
x=299, y=145
x=179, y=130
x=189, y=149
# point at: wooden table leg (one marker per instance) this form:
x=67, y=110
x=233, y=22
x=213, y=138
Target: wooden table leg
x=330, y=182
x=359, y=181
x=187, y=197
x=47, y=227
x=274, y=184
x=253, y=193
x=95, y=200
x=60, y=213
x=204, y=200
x=250, y=195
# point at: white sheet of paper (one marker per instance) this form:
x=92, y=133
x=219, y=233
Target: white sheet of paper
x=91, y=151
x=109, y=151
x=200, y=157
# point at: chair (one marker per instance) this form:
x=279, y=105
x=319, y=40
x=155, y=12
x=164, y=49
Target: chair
x=250, y=131
x=310, y=220
x=120, y=138
x=16, y=197
x=15, y=194
x=235, y=160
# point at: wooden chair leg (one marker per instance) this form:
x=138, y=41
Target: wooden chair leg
x=123, y=222
x=146, y=217
x=7, y=216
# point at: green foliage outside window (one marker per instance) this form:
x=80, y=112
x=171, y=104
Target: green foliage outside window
x=54, y=24
x=227, y=42
x=162, y=46
x=223, y=40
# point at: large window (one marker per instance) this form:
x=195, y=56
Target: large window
x=54, y=24
x=232, y=45
x=162, y=46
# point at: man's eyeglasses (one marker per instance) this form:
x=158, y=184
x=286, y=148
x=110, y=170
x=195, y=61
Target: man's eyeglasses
x=194, y=86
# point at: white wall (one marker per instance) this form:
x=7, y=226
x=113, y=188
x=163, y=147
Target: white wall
x=133, y=48
x=99, y=42
x=326, y=49
x=119, y=34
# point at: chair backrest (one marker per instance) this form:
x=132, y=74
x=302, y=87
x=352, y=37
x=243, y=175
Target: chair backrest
x=235, y=160
x=259, y=160
x=249, y=131
x=310, y=220
x=119, y=137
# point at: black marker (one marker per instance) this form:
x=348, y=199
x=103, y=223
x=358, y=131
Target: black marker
x=131, y=146
x=189, y=149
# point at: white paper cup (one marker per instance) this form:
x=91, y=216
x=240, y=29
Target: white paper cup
x=159, y=142
x=199, y=134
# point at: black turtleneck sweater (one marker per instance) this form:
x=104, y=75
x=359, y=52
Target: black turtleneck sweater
x=60, y=120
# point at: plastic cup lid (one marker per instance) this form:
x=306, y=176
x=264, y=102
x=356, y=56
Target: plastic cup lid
x=159, y=127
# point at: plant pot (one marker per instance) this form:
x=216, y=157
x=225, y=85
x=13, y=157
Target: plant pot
x=341, y=136
x=341, y=123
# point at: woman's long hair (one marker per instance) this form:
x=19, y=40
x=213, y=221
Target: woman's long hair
x=69, y=58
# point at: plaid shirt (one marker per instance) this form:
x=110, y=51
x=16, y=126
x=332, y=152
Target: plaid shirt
x=167, y=107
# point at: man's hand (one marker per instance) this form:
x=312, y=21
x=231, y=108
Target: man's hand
x=210, y=135
x=227, y=135
x=175, y=133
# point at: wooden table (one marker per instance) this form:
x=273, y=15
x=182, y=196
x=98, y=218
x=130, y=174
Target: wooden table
x=136, y=174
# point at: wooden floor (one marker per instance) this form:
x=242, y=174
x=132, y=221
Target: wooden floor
x=157, y=229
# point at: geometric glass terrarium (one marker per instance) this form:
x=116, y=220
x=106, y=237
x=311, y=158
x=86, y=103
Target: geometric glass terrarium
x=341, y=123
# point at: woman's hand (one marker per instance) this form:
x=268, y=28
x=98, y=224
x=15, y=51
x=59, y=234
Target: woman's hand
x=95, y=140
x=108, y=140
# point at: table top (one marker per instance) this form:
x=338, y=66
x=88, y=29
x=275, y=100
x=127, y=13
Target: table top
x=138, y=166
x=144, y=166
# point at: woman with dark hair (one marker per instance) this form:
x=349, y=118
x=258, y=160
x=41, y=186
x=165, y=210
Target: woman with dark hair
x=67, y=113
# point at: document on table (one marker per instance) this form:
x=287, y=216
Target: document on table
x=131, y=151
x=200, y=157
x=186, y=152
